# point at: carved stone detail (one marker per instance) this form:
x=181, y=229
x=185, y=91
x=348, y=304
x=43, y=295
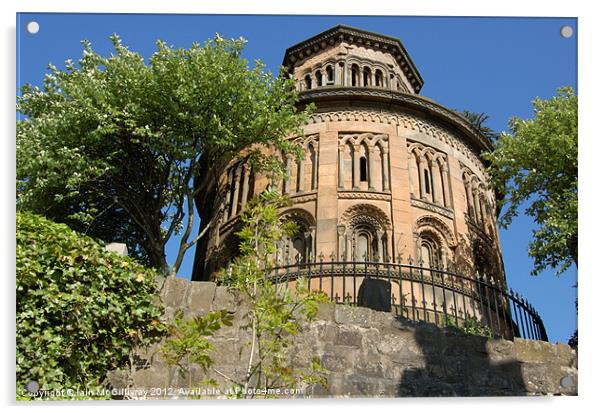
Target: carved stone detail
x=446, y=212
x=303, y=198
x=404, y=120
x=367, y=211
x=437, y=226
x=367, y=195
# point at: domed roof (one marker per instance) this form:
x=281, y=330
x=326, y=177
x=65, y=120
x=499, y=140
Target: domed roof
x=301, y=51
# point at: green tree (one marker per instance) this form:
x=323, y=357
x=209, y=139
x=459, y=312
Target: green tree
x=536, y=164
x=189, y=341
x=120, y=149
x=478, y=121
x=273, y=314
x=80, y=309
x=276, y=312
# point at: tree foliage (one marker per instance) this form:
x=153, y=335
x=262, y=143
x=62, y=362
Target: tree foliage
x=478, y=121
x=536, y=163
x=119, y=148
x=80, y=309
x=276, y=313
x=189, y=341
x=273, y=314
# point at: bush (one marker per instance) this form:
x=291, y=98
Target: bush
x=80, y=309
x=471, y=326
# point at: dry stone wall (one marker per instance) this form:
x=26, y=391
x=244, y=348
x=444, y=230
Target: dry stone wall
x=365, y=354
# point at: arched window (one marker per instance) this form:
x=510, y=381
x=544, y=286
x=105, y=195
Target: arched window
x=307, y=82
x=355, y=71
x=362, y=251
x=318, y=78
x=298, y=252
x=367, y=76
x=363, y=169
x=299, y=246
x=378, y=78
x=429, y=253
x=329, y=75
x=483, y=260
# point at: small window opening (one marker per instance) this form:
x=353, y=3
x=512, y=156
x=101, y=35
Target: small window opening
x=307, y=82
x=329, y=75
x=318, y=78
x=363, y=169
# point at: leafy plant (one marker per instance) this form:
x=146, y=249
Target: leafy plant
x=536, y=164
x=471, y=326
x=275, y=313
x=188, y=340
x=80, y=309
x=478, y=121
x=130, y=151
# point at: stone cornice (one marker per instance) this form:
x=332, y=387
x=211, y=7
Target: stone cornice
x=303, y=197
x=404, y=119
x=367, y=195
x=340, y=33
x=435, y=208
x=448, y=117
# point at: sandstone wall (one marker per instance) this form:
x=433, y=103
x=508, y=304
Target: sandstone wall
x=368, y=353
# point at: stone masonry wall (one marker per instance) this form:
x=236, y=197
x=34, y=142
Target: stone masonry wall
x=366, y=354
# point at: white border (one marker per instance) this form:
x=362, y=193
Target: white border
x=590, y=24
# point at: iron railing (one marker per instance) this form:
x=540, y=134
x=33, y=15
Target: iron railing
x=436, y=295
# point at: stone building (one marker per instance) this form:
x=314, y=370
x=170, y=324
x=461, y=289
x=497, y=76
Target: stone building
x=389, y=177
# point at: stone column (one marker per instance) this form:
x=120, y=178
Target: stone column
x=414, y=176
x=341, y=166
x=227, y=198
x=469, y=198
x=379, y=245
x=436, y=180
x=314, y=170
x=445, y=181
x=234, y=210
x=341, y=242
x=307, y=246
x=423, y=166
x=389, y=241
x=356, y=167
x=385, y=160
x=245, y=186
x=371, y=170
x=348, y=245
x=483, y=204
x=301, y=173
x=287, y=180
x=312, y=232
x=347, y=77
x=477, y=205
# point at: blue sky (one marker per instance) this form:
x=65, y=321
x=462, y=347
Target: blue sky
x=492, y=65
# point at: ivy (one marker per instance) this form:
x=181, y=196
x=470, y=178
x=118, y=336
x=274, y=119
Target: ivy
x=80, y=309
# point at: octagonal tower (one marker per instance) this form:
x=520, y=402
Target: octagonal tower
x=391, y=181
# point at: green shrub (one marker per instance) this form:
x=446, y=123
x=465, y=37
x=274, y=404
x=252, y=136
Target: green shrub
x=80, y=309
x=471, y=326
